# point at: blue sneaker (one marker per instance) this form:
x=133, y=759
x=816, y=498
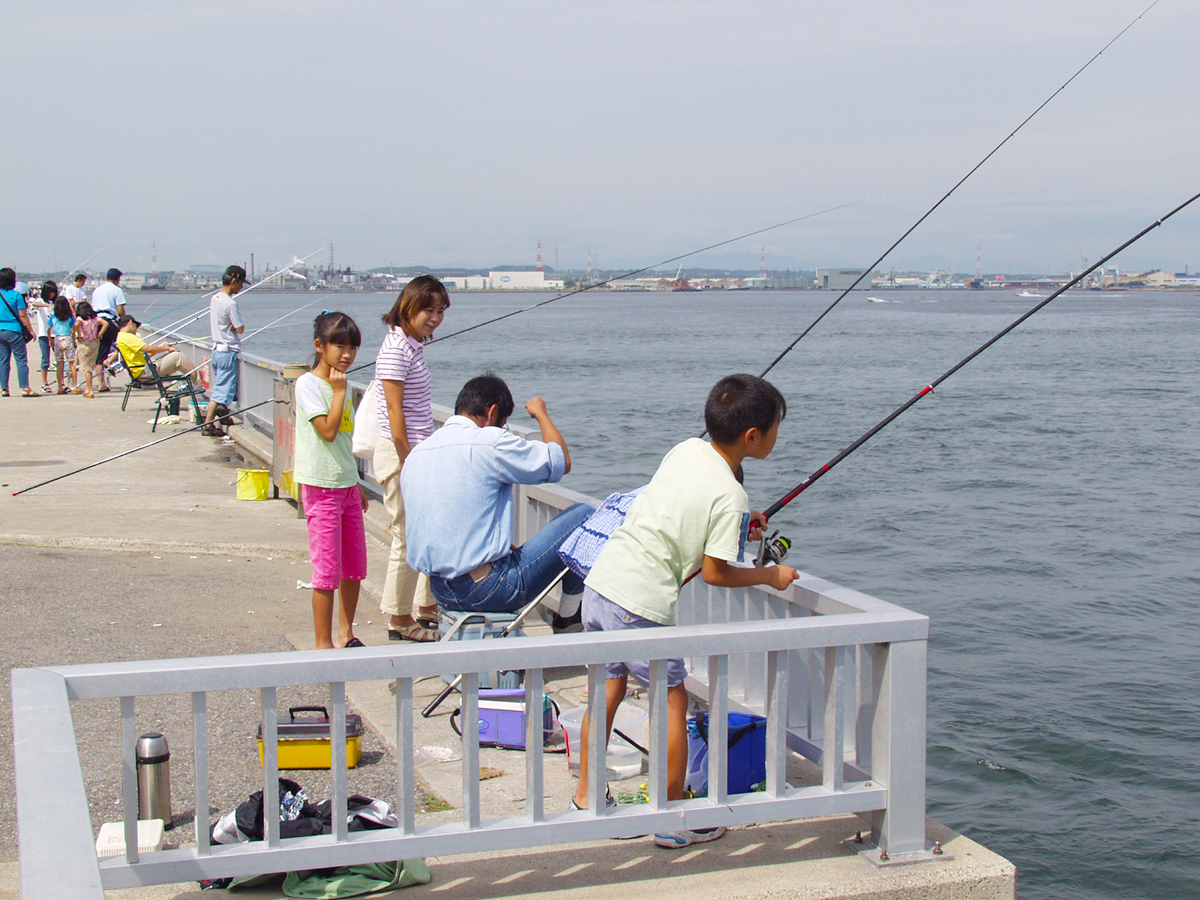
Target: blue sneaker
x=679, y=839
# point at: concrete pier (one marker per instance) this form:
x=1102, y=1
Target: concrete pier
x=151, y=556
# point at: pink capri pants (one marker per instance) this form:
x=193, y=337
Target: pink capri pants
x=337, y=539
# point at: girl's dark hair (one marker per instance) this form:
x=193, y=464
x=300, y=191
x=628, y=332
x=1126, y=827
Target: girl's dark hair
x=51, y=287
x=335, y=328
x=423, y=292
x=738, y=403
x=62, y=308
x=8, y=279
x=83, y=310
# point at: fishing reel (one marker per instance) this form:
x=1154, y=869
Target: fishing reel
x=772, y=550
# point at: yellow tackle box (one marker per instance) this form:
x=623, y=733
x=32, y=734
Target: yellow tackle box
x=304, y=740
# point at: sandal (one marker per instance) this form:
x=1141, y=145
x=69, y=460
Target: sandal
x=4, y=393
x=415, y=632
x=28, y=392
x=429, y=616
x=46, y=389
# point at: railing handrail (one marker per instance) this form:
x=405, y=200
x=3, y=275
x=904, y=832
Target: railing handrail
x=92, y=681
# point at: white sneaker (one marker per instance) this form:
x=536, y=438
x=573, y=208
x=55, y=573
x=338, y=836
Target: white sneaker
x=679, y=839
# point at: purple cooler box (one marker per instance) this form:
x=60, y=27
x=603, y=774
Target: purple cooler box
x=502, y=718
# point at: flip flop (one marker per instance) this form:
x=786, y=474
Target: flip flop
x=354, y=642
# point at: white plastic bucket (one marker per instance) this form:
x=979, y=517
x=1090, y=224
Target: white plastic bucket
x=624, y=760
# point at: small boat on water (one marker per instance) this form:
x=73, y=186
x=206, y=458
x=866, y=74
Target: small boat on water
x=1030, y=294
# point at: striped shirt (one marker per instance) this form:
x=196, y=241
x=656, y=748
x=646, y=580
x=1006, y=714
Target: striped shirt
x=402, y=358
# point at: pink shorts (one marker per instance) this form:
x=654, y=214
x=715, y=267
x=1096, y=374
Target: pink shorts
x=337, y=539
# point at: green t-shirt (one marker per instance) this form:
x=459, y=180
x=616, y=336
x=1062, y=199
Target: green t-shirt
x=692, y=508
x=320, y=462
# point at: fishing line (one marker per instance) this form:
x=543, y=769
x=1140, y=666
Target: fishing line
x=946, y=196
x=807, y=482
x=600, y=284
x=134, y=450
x=208, y=297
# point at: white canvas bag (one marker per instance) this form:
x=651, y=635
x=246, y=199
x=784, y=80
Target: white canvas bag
x=367, y=431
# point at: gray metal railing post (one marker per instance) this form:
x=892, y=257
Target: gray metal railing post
x=46, y=764
x=898, y=745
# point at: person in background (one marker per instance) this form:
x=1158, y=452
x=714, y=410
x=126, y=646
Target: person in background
x=134, y=350
x=406, y=419
x=225, y=323
x=332, y=498
x=13, y=318
x=108, y=300
x=74, y=292
x=62, y=326
x=88, y=328
x=40, y=309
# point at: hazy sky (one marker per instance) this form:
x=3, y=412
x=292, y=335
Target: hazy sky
x=444, y=133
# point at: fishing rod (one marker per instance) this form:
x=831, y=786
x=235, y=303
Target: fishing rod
x=278, y=272
x=808, y=482
x=957, y=185
x=134, y=450
x=285, y=315
x=600, y=284
x=82, y=264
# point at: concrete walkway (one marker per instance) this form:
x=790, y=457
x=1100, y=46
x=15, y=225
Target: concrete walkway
x=151, y=556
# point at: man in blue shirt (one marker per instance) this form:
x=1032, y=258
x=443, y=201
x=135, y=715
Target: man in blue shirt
x=458, y=498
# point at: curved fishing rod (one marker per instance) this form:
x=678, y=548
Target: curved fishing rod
x=134, y=450
x=808, y=482
x=957, y=185
x=208, y=297
x=600, y=284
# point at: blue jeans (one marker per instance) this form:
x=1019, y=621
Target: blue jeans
x=519, y=577
x=12, y=343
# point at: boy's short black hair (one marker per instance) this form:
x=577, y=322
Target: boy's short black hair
x=738, y=403
x=481, y=392
x=8, y=279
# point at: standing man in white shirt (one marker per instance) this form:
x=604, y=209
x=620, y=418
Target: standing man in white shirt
x=108, y=301
x=225, y=321
x=75, y=292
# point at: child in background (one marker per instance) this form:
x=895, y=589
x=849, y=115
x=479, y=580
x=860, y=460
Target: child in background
x=325, y=469
x=693, y=515
x=406, y=419
x=62, y=323
x=88, y=329
x=39, y=316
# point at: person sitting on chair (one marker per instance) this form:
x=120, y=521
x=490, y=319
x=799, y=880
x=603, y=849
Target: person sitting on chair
x=458, y=493
x=135, y=351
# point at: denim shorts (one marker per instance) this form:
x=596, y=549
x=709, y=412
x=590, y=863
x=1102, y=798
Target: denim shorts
x=601, y=614
x=224, y=366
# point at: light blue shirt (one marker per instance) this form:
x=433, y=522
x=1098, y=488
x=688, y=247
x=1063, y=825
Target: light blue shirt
x=458, y=499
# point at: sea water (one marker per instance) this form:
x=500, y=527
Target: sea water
x=1041, y=507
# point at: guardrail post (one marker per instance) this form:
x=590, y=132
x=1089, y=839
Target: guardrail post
x=58, y=851
x=898, y=745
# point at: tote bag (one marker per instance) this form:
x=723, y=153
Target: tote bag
x=367, y=432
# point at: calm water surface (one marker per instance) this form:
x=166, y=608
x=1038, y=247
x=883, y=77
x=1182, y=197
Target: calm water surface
x=1040, y=507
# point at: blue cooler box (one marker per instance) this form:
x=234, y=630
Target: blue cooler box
x=747, y=753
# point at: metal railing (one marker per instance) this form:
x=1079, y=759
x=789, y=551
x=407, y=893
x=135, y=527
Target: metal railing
x=795, y=667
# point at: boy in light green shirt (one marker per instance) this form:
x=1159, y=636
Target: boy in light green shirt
x=694, y=515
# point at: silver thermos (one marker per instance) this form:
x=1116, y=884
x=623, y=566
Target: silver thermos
x=154, y=778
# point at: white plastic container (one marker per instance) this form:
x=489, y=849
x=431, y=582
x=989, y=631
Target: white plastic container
x=624, y=760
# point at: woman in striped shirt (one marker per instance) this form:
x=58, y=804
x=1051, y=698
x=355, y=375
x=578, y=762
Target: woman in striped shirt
x=406, y=419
